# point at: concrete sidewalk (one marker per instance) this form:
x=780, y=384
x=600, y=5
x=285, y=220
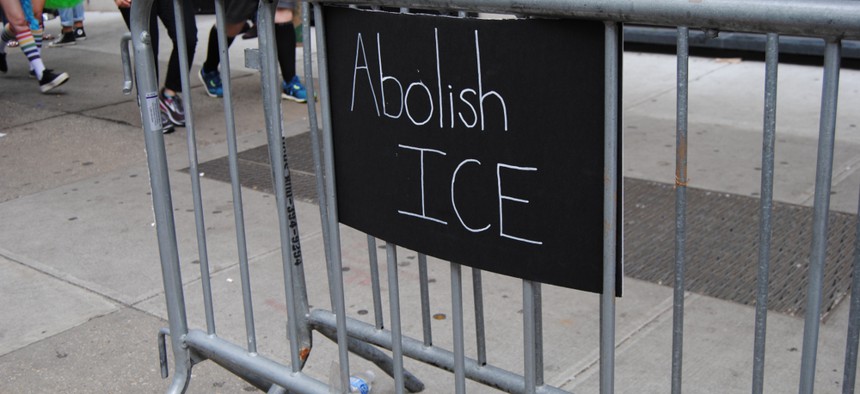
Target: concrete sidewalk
x=81, y=282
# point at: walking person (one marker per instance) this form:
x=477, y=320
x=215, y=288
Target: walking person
x=21, y=17
x=236, y=14
x=170, y=96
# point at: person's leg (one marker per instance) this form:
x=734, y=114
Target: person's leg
x=19, y=29
x=236, y=13
x=285, y=38
x=165, y=11
x=67, y=16
x=67, y=36
x=78, y=21
x=20, y=26
x=153, y=31
x=38, y=7
x=17, y=21
x=169, y=99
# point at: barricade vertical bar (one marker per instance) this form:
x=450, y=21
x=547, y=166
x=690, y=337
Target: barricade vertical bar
x=308, y=63
x=529, y=333
x=680, y=211
x=374, y=282
x=394, y=305
x=315, y=132
x=821, y=207
x=538, y=318
x=480, y=330
x=162, y=203
x=766, y=208
x=203, y=253
x=849, y=373
x=478, y=295
x=610, y=204
x=288, y=229
x=335, y=265
x=459, y=344
x=425, y=299
x=232, y=150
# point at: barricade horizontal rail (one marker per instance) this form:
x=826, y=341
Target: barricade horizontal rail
x=830, y=20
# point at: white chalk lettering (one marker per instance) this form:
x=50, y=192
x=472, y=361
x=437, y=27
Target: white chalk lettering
x=478, y=98
x=454, y=203
x=423, y=214
x=359, y=47
x=406, y=101
x=503, y=197
x=382, y=79
x=474, y=114
x=439, y=77
x=481, y=88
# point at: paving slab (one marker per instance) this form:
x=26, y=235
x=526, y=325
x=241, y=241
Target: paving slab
x=38, y=231
x=60, y=150
x=718, y=341
x=37, y=306
x=115, y=353
x=798, y=92
x=728, y=159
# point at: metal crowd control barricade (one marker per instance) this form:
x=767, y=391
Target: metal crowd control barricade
x=830, y=20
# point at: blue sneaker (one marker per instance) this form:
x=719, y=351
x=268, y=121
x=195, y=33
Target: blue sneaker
x=294, y=90
x=212, y=81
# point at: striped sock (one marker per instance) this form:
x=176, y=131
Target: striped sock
x=37, y=35
x=28, y=45
x=5, y=37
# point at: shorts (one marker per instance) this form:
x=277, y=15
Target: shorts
x=239, y=11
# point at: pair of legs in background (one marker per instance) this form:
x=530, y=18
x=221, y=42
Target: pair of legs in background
x=236, y=14
x=72, y=22
x=24, y=27
x=169, y=97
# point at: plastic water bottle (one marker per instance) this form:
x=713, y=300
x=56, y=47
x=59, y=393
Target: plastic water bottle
x=361, y=382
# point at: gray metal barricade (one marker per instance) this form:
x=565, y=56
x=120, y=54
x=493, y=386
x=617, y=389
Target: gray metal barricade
x=831, y=20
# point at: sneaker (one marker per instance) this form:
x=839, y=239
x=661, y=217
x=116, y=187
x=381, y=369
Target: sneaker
x=294, y=90
x=171, y=106
x=12, y=44
x=250, y=33
x=166, y=125
x=67, y=38
x=212, y=81
x=80, y=34
x=3, y=66
x=51, y=80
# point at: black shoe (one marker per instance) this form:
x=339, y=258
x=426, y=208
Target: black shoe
x=50, y=80
x=250, y=33
x=3, y=66
x=67, y=38
x=166, y=126
x=80, y=34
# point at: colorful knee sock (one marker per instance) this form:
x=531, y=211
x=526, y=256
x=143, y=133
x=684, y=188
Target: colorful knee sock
x=37, y=35
x=5, y=37
x=28, y=45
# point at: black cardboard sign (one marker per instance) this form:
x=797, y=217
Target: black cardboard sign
x=474, y=141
